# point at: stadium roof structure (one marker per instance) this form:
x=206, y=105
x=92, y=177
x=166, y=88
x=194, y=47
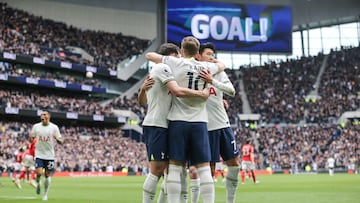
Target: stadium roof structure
x=306, y=13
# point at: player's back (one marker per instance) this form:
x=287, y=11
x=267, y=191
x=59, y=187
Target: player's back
x=246, y=151
x=186, y=74
x=19, y=157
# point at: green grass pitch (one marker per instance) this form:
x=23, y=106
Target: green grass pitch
x=321, y=188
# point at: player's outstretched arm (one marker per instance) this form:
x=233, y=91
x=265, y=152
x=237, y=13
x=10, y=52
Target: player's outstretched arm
x=178, y=91
x=154, y=57
x=147, y=84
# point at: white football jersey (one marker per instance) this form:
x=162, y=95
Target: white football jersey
x=331, y=162
x=158, y=97
x=218, y=117
x=44, y=140
x=186, y=74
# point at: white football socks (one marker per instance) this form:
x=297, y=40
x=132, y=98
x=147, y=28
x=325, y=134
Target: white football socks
x=195, y=190
x=173, y=183
x=184, y=186
x=207, y=189
x=47, y=185
x=163, y=193
x=149, y=188
x=232, y=182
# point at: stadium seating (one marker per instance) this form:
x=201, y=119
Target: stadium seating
x=292, y=132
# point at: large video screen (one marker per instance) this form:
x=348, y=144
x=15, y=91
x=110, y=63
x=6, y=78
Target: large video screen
x=231, y=26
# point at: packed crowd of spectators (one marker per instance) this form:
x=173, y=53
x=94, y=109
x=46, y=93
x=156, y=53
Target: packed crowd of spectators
x=279, y=147
x=277, y=91
x=84, y=148
x=339, y=90
x=295, y=147
x=131, y=104
x=235, y=103
x=24, y=33
x=106, y=149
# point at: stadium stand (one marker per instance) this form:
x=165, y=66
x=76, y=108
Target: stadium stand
x=341, y=82
x=24, y=33
x=293, y=131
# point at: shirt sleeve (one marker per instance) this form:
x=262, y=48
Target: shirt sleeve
x=224, y=84
x=213, y=67
x=172, y=61
x=32, y=132
x=57, y=132
x=163, y=72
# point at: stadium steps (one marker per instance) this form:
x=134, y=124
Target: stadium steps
x=125, y=72
x=245, y=102
x=315, y=92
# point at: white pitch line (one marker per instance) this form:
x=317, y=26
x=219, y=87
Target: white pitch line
x=17, y=197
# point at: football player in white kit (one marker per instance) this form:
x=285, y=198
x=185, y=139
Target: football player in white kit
x=155, y=93
x=331, y=165
x=46, y=134
x=188, y=134
x=221, y=137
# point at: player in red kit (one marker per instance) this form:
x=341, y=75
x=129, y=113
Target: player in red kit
x=29, y=164
x=18, y=167
x=248, y=161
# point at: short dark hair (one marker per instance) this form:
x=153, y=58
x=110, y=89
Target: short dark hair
x=45, y=110
x=207, y=45
x=167, y=49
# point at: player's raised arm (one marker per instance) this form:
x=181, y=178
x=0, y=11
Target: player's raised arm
x=154, y=57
